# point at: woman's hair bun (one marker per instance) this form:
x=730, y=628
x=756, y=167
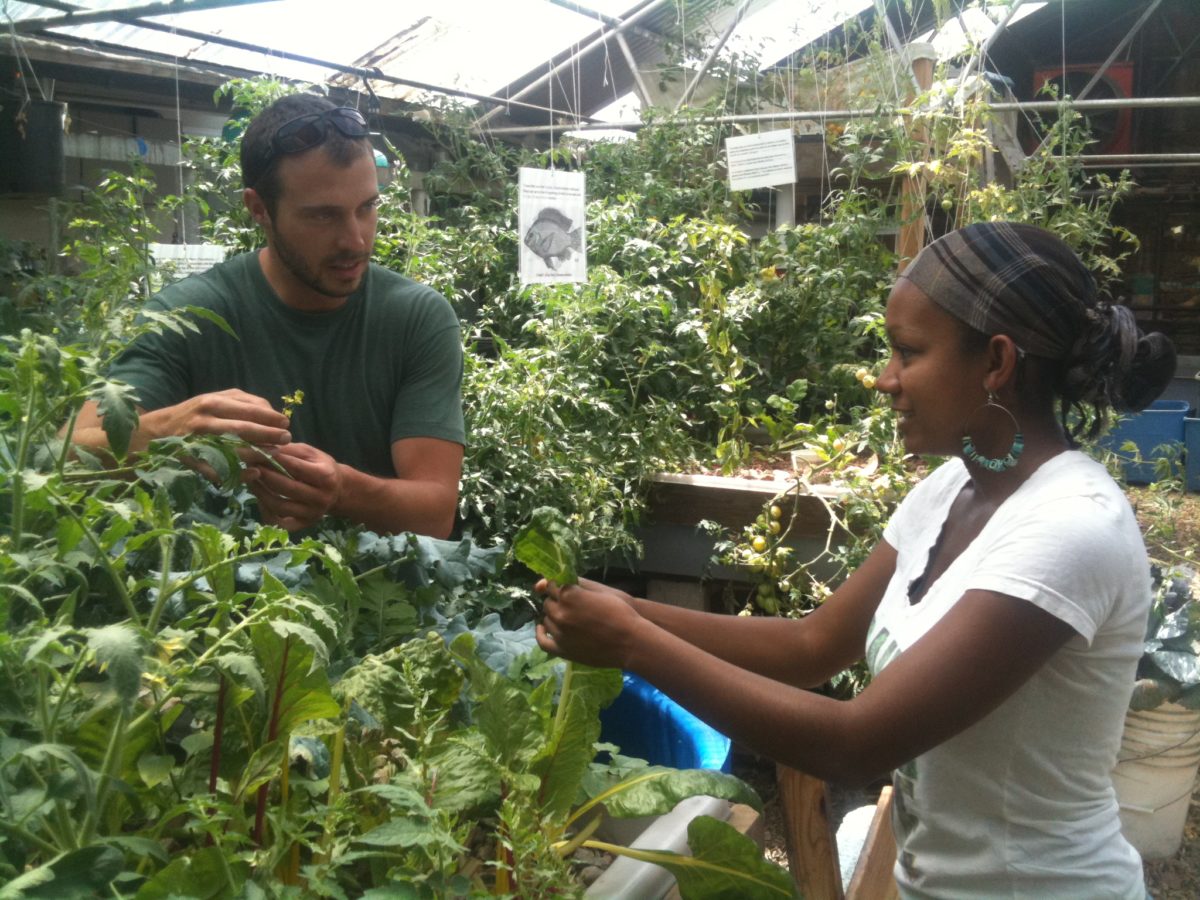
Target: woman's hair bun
x=1152, y=369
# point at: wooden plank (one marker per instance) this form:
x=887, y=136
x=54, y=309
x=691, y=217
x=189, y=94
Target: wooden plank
x=811, y=843
x=733, y=502
x=873, y=878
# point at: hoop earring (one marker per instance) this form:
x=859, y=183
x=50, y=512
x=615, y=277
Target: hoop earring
x=1014, y=452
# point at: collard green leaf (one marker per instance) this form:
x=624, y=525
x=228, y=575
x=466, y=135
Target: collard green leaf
x=548, y=546
x=724, y=865
x=654, y=790
x=1181, y=666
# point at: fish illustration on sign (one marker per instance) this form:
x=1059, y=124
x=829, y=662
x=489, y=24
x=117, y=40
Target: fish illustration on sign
x=550, y=237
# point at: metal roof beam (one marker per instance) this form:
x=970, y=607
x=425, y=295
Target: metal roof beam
x=610, y=21
x=712, y=55
x=126, y=13
x=548, y=78
x=366, y=74
x=1120, y=48
x=834, y=115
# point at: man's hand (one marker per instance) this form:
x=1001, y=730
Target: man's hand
x=309, y=490
x=233, y=411
x=223, y=412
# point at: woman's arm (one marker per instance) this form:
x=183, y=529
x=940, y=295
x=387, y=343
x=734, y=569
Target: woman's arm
x=981, y=652
x=802, y=652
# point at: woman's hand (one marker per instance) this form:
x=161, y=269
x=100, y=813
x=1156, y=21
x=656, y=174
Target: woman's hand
x=589, y=623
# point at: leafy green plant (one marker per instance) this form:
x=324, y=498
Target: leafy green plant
x=1169, y=669
x=724, y=862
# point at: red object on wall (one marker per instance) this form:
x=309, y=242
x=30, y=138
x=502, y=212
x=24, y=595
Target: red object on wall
x=1112, y=128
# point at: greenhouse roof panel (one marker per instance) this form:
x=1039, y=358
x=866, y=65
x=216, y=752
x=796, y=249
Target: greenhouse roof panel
x=552, y=55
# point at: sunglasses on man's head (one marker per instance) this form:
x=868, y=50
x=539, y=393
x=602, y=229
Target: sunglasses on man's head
x=310, y=130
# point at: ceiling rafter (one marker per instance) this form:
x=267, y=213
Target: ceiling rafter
x=77, y=15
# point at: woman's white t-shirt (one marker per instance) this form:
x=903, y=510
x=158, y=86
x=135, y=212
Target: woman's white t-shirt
x=1021, y=804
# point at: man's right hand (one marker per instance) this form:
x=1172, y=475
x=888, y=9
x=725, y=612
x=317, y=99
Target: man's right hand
x=232, y=411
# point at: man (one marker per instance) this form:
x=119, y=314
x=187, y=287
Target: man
x=378, y=436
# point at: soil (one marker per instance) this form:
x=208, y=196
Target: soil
x=1176, y=878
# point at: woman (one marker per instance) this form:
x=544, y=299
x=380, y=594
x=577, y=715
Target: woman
x=1002, y=615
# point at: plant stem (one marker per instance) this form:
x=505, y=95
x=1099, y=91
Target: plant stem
x=564, y=695
x=28, y=837
x=113, y=756
x=335, y=789
x=166, y=545
x=214, y=767
x=18, y=482
x=102, y=556
x=272, y=732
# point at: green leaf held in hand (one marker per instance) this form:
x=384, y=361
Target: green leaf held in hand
x=548, y=546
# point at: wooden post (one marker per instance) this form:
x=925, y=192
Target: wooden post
x=811, y=843
x=873, y=878
x=911, y=237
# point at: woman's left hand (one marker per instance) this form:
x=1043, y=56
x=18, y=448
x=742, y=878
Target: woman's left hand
x=588, y=622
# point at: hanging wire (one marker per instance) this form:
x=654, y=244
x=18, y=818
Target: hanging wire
x=24, y=63
x=179, y=144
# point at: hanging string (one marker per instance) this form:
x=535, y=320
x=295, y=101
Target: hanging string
x=179, y=144
x=1062, y=32
x=24, y=64
x=550, y=104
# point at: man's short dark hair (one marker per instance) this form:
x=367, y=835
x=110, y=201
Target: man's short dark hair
x=260, y=169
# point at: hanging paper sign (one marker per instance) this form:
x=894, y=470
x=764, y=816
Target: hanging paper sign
x=761, y=160
x=552, y=207
x=186, y=259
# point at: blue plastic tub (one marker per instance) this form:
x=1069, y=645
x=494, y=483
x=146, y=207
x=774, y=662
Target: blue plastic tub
x=1158, y=426
x=1191, y=444
x=647, y=724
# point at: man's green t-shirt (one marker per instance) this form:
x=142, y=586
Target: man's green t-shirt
x=386, y=365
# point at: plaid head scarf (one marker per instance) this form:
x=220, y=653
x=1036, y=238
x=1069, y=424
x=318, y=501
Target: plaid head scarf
x=1013, y=279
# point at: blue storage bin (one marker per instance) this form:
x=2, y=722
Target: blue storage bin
x=647, y=724
x=1158, y=424
x=1191, y=449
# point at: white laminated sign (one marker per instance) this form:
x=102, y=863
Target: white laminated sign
x=552, y=207
x=761, y=160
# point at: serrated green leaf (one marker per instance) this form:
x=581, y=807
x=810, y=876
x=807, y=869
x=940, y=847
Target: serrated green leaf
x=116, y=405
x=118, y=651
x=264, y=764
x=208, y=315
x=78, y=875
